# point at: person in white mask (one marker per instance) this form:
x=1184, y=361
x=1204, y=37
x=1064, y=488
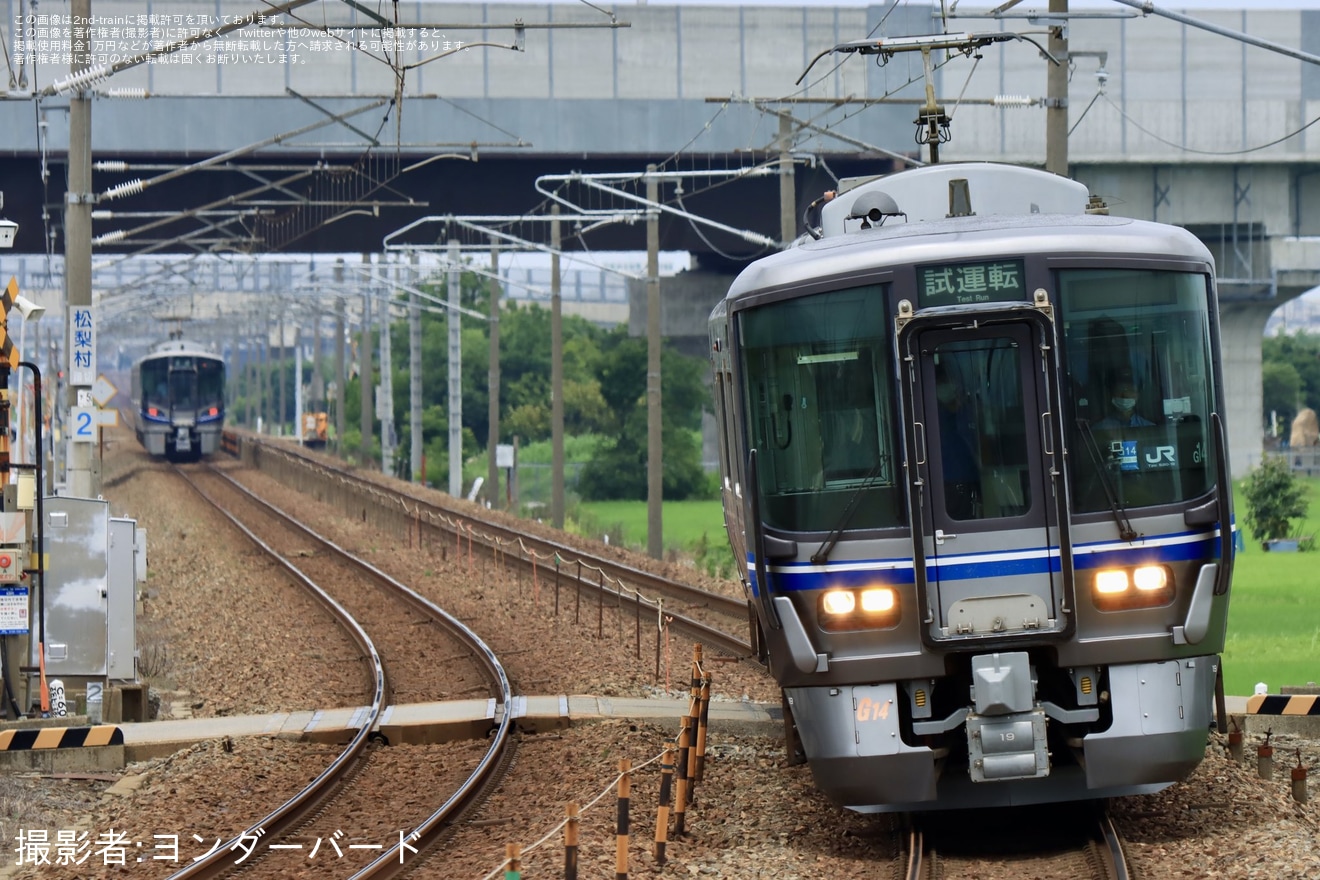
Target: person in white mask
x=1122, y=404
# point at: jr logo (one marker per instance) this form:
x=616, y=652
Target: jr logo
x=1161, y=456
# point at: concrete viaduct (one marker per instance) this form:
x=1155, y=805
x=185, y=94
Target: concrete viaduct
x=333, y=131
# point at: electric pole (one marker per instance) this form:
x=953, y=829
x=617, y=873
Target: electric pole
x=83, y=480
x=654, y=465
x=787, y=192
x=455, y=374
x=365, y=379
x=415, y=387
x=556, y=378
x=1056, y=102
x=493, y=380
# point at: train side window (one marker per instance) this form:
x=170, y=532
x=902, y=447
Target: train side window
x=723, y=419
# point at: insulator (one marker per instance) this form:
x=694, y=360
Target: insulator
x=110, y=165
x=82, y=79
x=102, y=215
x=110, y=237
x=128, y=188
x=1012, y=101
x=124, y=93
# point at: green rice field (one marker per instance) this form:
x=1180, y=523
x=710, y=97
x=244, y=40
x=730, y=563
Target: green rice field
x=1274, y=612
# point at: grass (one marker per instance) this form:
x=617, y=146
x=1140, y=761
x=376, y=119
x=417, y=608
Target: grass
x=1274, y=612
x=682, y=523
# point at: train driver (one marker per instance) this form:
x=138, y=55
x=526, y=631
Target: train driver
x=959, y=447
x=1122, y=405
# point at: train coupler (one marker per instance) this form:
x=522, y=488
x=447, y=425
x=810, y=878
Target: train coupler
x=1006, y=729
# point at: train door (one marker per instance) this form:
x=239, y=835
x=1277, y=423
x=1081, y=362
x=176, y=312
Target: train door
x=991, y=540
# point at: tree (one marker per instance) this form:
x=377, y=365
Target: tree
x=618, y=468
x=1274, y=498
x=1282, y=385
x=1301, y=351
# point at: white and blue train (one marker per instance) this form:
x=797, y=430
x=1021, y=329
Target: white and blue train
x=179, y=400
x=972, y=454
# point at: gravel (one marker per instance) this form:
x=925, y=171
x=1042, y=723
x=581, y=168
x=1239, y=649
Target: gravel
x=210, y=608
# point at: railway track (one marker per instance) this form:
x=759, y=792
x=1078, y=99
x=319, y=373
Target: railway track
x=1071, y=842
x=319, y=798
x=702, y=615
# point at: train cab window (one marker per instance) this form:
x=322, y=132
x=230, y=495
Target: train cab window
x=982, y=453
x=183, y=389
x=1137, y=350
x=820, y=407
x=155, y=384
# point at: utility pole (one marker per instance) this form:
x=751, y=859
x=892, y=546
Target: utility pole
x=385, y=391
x=654, y=464
x=250, y=370
x=264, y=404
x=341, y=360
x=493, y=380
x=365, y=378
x=415, y=387
x=556, y=377
x=83, y=480
x=787, y=191
x=1056, y=102
x=282, y=407
x=455, y=375
x=341, y=376
x=297, y=384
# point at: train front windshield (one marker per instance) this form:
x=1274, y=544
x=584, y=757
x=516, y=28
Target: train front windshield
x=183, y=383
x=210, y=383
x=155, y=384
x=1140, y=385
x=823, y=410
x=819, y=376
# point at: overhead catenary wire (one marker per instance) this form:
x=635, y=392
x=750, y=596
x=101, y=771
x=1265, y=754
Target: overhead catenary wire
x=1185, y=148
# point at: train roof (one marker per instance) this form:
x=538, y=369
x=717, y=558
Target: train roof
x=968, y=238
x=1001, y=208
x=925, y=193
x=177, y=347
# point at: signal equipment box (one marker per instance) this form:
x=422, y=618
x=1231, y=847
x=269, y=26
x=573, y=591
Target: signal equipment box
x=94, y=563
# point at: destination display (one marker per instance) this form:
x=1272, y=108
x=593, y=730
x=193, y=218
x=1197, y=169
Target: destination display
x=968, y=283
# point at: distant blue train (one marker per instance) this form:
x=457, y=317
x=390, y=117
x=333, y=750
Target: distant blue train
x=179, y=400
x=973, y=460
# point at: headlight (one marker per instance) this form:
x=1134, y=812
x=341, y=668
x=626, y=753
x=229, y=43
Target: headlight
x=878, y=600
x=866, y=608
x=837, y=602
x=1150, y=577
x=1110, y=581
x=1145, y=586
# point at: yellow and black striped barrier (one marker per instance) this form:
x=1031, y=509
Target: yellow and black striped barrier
x=60, y=737
x=1276, y=704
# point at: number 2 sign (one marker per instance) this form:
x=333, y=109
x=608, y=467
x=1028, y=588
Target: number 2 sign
x=82, y=424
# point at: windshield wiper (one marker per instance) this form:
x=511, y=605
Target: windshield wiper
x=822, y=553
x=1125, y=530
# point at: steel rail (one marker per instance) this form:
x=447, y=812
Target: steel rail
x=394, y=861
x=1110, y=846
x=916, y=855
x=719, y=640
x=693, y=596
x=301, y=805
